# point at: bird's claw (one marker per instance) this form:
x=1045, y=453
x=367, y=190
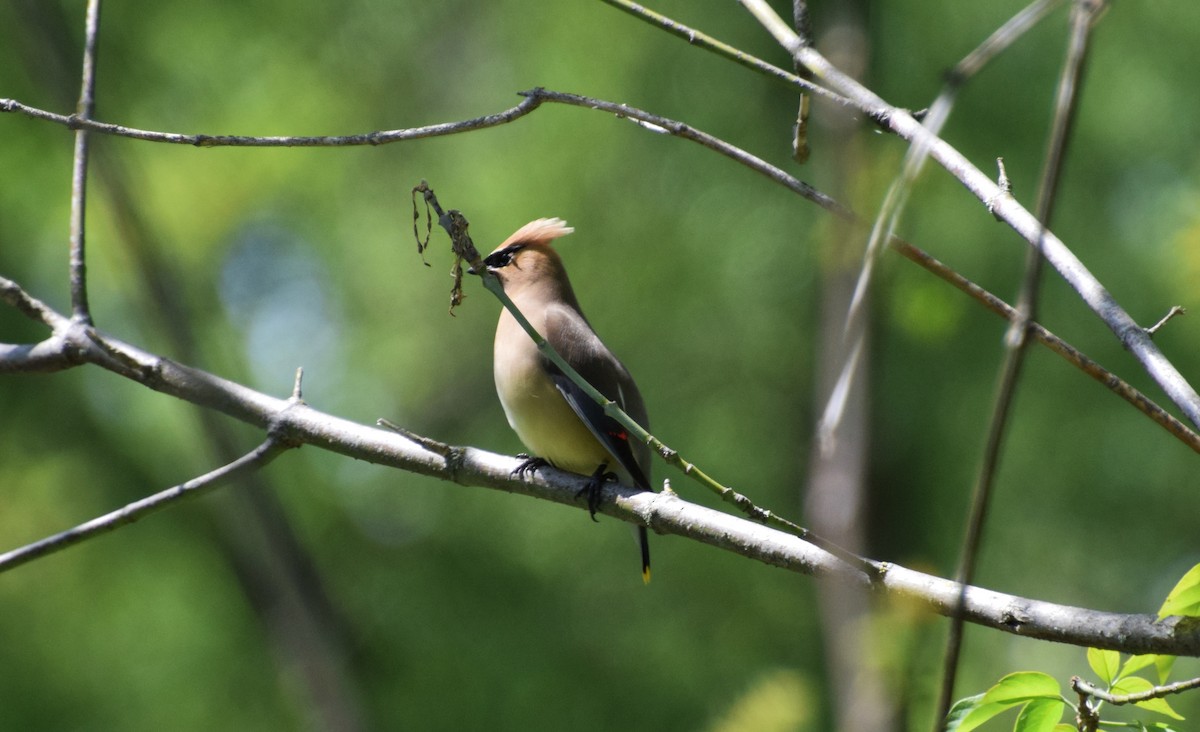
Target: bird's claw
x=529, y=464
x=594, y=488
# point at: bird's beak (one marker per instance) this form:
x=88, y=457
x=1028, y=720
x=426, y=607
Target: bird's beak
x=471, y=270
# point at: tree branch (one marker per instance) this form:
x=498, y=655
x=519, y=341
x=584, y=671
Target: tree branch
x=1083, y=688
x=708, y=43
x=382, y=137
x=255, y=459
x=291, y=422
x=665, y=125
x=87, y=104
x=1069, y=353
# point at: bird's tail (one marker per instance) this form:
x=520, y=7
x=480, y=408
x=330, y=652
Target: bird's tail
x=644, y=540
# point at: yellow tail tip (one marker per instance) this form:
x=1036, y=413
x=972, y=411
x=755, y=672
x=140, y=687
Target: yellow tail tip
x=645, y=575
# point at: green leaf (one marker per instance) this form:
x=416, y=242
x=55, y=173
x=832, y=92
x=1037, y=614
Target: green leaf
x=1160, y=706
x=969, y=713
x=1039, y=715
x=1184, y=599
x=1105, y=664
x=1162, y=663
x=1137, y=663
x=1023, y=686
x=1131, y=685
x=1010, y=691
x=1063, y=727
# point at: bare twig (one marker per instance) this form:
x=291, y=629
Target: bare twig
x=1068, y=352
x=1175, y=310
x=382, y=137
x=862, y=697
x=1158, y=692
x=87, y=104
x=708, y=43
x=15, y=296
x=297, y=391
x=253, y=460
x=430, y=444
x=801, y=22
x=687, y=132
x=995, y=44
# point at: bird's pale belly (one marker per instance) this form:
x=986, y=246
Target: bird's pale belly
x=556, y=433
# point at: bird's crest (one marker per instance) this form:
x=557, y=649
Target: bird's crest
x=539, y=231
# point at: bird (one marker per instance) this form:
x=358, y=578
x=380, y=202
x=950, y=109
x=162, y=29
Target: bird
x=556, y=420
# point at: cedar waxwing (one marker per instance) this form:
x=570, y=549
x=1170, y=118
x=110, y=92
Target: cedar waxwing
x=555, y=419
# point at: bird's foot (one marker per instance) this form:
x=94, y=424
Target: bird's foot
x=595, y=487
x=529, y=464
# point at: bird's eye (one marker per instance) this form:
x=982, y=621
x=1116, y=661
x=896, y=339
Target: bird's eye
x=502, y=258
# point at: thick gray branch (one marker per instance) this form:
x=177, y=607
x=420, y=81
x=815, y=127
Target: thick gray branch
x=291, y=421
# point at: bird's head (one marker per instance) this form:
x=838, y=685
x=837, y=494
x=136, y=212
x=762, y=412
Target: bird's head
x=526, y=258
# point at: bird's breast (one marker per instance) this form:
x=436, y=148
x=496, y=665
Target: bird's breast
x=537, y=412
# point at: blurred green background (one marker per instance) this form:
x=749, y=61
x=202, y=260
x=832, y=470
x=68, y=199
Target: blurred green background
x=396, y=601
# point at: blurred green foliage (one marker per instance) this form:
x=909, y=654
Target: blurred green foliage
x=466, y=609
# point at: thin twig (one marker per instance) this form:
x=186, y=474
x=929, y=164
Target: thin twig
x=253, y=460
x=381, y=137
x=15, y=296
x=687, y=132
x=998, y=42
x=430, y=444
x=802, y=23
x=297, y=384
x=1158, y=692
x=1175, y=310
x=708, y=43
x=1065, y=350
x=80, y=309
x=1066, y=101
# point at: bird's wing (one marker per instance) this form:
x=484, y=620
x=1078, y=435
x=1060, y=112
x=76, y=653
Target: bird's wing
x=571, y=336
